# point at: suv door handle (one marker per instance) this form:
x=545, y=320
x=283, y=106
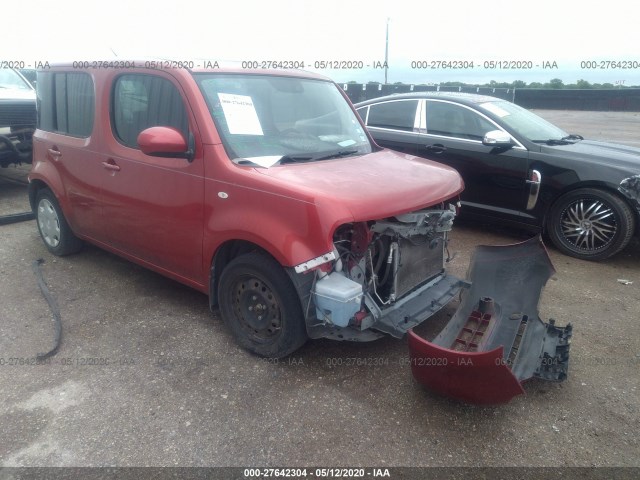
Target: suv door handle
x=54, y=153
x=436, y=148
x=111, y=165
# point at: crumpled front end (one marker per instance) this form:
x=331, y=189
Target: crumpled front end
x=496, y=339
x=630, y=188
x=383, y=277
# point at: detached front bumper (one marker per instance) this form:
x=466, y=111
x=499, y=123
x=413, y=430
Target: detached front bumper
x=496, y=339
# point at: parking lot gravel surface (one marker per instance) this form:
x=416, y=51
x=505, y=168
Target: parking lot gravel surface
x=146, y=375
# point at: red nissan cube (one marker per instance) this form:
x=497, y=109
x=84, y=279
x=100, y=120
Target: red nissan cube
x=260, y=188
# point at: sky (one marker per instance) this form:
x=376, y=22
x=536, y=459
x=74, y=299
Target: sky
x=535, y=34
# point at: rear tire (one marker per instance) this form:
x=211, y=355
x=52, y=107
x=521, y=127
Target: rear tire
x=53, y=227
x=590, y=224
x=261, y=307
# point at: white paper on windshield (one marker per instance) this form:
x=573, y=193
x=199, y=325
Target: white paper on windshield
x=495, y=109
x=346, y=143
x=240, y=113
x=265, y=161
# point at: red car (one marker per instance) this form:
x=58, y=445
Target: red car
x=259, y=188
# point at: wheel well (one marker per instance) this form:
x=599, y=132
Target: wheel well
x=34, y=187
x=225, y=253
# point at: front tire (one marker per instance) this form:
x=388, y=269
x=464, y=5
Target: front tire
x=590, y=224
x=260, y=306
x=53, y=227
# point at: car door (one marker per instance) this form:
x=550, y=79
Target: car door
x=495, y=178
x=394, y=124
x=153, y=205
x=67, y=139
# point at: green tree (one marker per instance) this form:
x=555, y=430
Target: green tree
x=555, y=83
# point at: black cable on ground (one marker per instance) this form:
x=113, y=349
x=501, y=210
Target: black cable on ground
x=16, y=217
x=53, y=305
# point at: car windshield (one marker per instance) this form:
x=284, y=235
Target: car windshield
x=10, y=79
x=523, y=122
x=267, y=119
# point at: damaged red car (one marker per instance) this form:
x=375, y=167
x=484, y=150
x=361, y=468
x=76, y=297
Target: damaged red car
x=263, y=190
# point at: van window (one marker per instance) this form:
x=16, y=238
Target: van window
x=66, y=103
x=144, y=101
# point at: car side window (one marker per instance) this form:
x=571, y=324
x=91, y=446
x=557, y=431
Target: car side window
x=66, y=103
x=362, y=113
x=396, y=115
x=450, y=120
x=143, y=101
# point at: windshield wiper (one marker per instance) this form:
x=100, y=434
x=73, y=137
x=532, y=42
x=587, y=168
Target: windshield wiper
x=296, y=159
x=554, y=141
x=270, y=160
x=561, y=141
x=340, y=154
x=573, y=137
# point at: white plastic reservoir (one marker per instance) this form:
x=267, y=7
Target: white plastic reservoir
x=337, y=298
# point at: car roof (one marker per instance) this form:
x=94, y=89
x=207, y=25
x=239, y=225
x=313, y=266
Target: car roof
x=460, y=97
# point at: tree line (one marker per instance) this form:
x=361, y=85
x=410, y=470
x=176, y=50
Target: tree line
x=554, y=83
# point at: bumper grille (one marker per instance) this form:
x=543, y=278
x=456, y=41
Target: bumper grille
x=12, y=114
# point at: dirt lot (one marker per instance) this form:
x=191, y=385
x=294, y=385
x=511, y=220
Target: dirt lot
x=147, y=376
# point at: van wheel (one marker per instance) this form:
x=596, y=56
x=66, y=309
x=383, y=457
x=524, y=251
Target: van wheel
x=590, y=224
x=53, y=227
x=260, y=306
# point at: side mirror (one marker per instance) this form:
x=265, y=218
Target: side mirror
x=497, y=138
x=165, y=142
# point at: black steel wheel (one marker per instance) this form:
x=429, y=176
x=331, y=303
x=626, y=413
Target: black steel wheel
x=53, y=227
x=259, y=304
x=590, y=224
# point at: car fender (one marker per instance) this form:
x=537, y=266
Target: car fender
x=303, y=233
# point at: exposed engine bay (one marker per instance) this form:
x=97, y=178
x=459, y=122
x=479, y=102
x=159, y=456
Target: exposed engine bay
x=387, y=266
x=15, y=145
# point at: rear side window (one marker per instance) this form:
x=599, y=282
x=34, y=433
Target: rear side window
x=143, y=101
x=66, y=103
x=398, y=115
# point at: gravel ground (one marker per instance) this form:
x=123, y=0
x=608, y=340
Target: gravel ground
x=147, y=376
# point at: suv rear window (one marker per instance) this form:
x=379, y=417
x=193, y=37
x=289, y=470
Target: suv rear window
x=66, y=103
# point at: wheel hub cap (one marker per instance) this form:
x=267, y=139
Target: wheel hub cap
x=49, y=223
x=588, y=224
x=256, y=308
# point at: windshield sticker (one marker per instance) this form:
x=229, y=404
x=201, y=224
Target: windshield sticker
x=346, y=143
x=495, y=109
x=240, y=113
x=265, y=161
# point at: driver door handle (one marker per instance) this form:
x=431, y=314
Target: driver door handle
x=436, y=148
x=111, y=165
